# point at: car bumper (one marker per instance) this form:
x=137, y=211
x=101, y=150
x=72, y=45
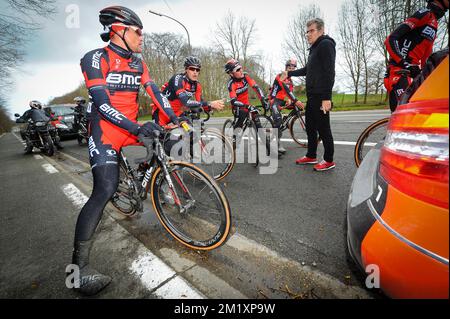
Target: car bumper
x=377, y=235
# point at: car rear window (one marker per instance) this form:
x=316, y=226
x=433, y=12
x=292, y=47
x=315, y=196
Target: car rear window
x=60, y=110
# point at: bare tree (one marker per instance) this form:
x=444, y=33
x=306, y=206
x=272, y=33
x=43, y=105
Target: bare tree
x=170, y=46
x=234, y=38
x=353, y=41
x=295, y=43
x=16, y=24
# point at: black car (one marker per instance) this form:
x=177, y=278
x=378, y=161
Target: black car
x=65, y=115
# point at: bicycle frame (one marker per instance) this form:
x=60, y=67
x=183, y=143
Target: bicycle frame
x=158, y=158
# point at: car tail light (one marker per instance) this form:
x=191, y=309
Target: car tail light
x=415, y=155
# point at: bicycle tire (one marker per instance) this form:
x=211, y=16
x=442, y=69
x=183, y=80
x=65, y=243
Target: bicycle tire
x=297, y=129
x=122, y=199
x=209, y=225
x=228, y=132
x=215, y=167
x=375, y=131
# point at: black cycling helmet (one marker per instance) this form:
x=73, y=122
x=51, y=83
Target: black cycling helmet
x=437, y=10
x=117, y=14
x=35, y=104
x=79, y=100
x=232, y=65
x=192, y=61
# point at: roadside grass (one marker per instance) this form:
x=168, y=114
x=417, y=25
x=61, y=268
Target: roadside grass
x=342, y=102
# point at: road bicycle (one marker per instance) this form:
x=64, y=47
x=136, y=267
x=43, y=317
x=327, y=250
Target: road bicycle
x=255, y=136
x=217, y=155
x=188, y=202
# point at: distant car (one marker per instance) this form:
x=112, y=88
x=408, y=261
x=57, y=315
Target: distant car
x=64, y=114
x=397, y=211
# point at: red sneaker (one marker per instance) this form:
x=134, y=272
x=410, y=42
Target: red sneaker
x=324, y=166
x=306, y=160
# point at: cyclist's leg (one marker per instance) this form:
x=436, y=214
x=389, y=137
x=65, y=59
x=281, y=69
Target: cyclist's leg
x=240, y=115
x=105, y=171
x=277, y=120
x=398, y=88
x=276, y=115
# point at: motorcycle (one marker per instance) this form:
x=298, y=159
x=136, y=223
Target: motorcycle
x=81, y=125
x=40, y=134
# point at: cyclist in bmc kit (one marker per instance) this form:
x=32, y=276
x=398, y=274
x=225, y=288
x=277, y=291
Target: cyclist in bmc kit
x=113, y=76
x=238, y=86
x=280, y=90
x=184, y=93
x=409, y=47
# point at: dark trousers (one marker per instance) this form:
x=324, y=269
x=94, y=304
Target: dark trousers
x=318, y=122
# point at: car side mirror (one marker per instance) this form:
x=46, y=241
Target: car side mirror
x=17, y=115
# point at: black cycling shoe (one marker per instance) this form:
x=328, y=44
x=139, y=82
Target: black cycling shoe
x=90, y=281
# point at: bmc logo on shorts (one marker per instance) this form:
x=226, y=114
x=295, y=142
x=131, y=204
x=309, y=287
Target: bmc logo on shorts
x=123, y=78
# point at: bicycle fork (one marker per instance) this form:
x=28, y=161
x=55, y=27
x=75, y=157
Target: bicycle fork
x=182, y=209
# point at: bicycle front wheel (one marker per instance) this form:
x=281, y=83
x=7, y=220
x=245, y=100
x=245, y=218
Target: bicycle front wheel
x=297, y=129
x=191, y=206
x=375, y=133
x=228, y=132
x=216, y=153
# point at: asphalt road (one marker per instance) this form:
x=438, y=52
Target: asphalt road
x=296, y=212
x=296, y=215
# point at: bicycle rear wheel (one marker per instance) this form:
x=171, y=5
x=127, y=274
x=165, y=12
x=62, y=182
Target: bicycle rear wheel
x=204, y=223
x=373, y=134
x=216, y=153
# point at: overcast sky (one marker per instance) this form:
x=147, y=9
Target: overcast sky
x=51, y=66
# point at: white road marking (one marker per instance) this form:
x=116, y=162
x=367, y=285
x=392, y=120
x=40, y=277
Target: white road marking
x=152, y=272
x=74, y=195
x=50, y=168
x=335, y=142
x=38, y=157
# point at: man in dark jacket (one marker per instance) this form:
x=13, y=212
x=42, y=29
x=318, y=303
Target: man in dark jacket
x=320, y=74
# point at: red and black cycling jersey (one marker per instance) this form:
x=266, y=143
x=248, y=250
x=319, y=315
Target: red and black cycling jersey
x=413, y=40
x=183, y=94
x=238, y=89
x=113, y=76
x=281, y=89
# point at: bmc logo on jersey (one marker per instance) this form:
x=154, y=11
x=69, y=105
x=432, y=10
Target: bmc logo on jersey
x=111, y=112
x=123, y=78
x=96, y=60
x=429, y=33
